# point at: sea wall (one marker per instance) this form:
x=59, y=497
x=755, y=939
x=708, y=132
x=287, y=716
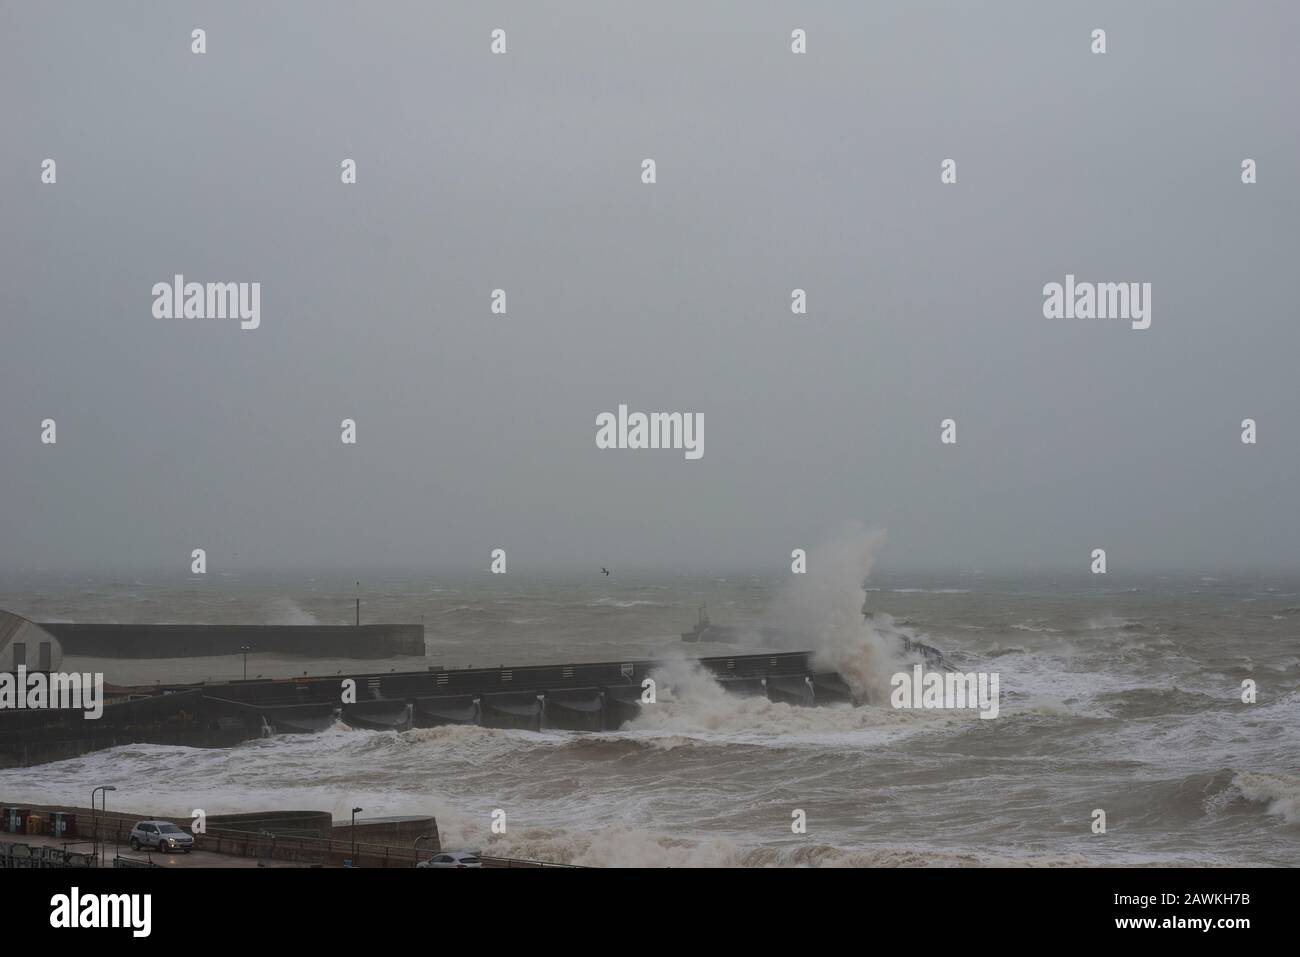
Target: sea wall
x=577, y=697
x=185, y=718
x=192, y=641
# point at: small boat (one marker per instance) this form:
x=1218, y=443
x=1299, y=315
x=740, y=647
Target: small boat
x=701, y=629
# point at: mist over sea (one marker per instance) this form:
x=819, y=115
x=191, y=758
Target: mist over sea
x=1116, y=693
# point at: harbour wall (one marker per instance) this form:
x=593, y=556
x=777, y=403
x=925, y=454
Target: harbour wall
x=194, y=641
x=598, y=696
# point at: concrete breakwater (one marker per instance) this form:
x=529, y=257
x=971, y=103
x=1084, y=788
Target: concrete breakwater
x=600, y=696
x=193, y=641
x=183, y=718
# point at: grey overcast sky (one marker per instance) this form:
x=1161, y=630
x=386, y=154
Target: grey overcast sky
x=522, y=171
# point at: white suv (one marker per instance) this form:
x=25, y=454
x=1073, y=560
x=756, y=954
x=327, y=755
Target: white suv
x=162, y=836
x=453, y=859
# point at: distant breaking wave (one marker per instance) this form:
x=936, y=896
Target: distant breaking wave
x=286, y=611
x=1280, y=794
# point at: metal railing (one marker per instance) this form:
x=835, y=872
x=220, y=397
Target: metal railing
x=14, y=854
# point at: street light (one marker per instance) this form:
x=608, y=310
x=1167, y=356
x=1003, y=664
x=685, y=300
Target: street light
x=245, y=649
x=94, y=820
x=416, y=846
x=355, y=812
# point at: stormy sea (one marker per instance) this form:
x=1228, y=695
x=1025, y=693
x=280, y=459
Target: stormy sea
x=1118, y=694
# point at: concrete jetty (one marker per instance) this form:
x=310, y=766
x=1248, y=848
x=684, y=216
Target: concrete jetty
x=195, y=641
x=593, y=696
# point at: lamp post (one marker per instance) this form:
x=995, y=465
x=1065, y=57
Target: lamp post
x=94, y=819
x=355, y=812
x=245, y=649
x=416, y=846
x=358, y=604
